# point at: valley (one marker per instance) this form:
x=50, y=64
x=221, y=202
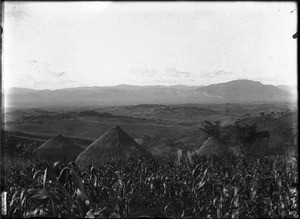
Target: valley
x=161, y=128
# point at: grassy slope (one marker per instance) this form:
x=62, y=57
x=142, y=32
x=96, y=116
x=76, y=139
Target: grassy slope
x=178, y=123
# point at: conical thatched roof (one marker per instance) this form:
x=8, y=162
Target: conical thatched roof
x=192, y=142
x=115, y=145
x=58, y=148
x=212, y=147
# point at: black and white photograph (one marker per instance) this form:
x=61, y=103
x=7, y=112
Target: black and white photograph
x=178, y=109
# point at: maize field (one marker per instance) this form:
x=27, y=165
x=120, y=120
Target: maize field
x=206, y=188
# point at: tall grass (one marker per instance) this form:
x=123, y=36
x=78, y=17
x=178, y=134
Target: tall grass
x=9, y=163
x=226, y=188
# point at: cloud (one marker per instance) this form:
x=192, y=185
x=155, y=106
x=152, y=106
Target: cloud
x=215, y=74
x=32, y=62
x=46, y=83
x=16, y=11
x=146, y=72
x=63, y=82
x=61, y=73
x=45, y=68
x=175, y=73
x=221, y=72
x=43, y=75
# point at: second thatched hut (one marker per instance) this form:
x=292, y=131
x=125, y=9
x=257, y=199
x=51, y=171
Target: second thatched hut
x=114, y=145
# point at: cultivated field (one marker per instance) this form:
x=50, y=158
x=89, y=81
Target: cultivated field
x=231, y=188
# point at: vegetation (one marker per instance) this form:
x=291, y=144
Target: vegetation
x=15, y=163
x=262, y=183
x=94, y=113
x=14, y=147
x=251, y=141
x=219, y=189
x=213, y=130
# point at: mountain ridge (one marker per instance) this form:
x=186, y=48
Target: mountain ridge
x=113, y=86
x=232, y=91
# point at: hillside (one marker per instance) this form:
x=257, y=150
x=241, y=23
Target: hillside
x=290, y=89
x=245, y=90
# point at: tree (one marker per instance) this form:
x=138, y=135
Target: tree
x=213, y=130
x=248, y=134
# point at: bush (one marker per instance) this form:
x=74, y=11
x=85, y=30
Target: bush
x=15, y=163
x=211, y=129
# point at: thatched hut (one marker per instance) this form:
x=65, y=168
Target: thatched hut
x=114, y=145
x=58, y=148
x=191, y=143
x=212, y=147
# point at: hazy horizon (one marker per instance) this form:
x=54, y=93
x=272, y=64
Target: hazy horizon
x=7, y=88
x=55, y=45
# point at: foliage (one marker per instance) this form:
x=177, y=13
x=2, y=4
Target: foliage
x=12, y=146
x=249, y=134
x=9, y=163
x=213, y=130
x=241, y=187
x=251, y=141
x=16, y=151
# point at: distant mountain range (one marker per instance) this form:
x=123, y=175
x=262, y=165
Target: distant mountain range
x=233, y=91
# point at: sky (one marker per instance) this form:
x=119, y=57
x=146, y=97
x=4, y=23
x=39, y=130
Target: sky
x=53, y=45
